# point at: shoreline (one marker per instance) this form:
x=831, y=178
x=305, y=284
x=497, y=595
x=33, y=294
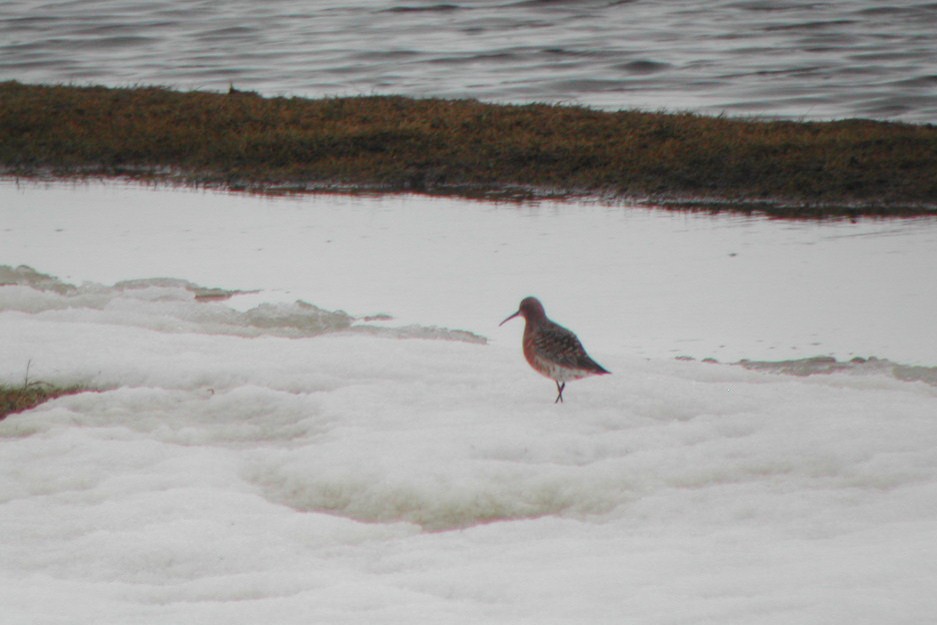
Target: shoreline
x=241, y=141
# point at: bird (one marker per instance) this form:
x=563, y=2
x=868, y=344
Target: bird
x=552, y=350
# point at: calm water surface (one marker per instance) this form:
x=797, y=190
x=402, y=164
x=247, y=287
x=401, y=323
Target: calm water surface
x=788, y=58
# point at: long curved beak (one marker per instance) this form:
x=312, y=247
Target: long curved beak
x=509, y=318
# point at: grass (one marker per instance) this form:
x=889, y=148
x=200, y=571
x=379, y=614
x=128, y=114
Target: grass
x=243, y=141
x=30, y=394
x=15, y=399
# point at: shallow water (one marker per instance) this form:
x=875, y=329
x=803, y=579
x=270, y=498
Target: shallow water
x=797, y=59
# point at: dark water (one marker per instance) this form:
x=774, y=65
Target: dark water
x=786, y=58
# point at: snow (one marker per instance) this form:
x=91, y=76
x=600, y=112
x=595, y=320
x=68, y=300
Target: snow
x=254, y=458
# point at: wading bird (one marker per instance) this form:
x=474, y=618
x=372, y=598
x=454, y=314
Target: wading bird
x=552, y=350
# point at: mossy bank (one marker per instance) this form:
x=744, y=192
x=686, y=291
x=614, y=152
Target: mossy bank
x=465, y=147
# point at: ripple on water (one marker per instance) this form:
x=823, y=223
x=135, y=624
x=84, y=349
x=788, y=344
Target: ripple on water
x=708, y=56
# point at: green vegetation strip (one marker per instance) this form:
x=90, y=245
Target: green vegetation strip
x=243, y=141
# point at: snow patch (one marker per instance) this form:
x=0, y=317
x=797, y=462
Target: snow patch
x=297, y=466
x=173, y=305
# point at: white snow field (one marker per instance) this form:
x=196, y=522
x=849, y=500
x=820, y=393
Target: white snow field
x=258, y=459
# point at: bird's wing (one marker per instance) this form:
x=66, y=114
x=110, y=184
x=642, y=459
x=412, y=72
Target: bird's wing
x=564, y=348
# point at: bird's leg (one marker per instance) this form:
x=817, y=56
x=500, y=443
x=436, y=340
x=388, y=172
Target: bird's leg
x=559, y=388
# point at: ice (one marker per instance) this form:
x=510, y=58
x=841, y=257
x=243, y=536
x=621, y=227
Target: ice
x=257, y=458
x=858, y=366
x=173, y=305
x=635, y=281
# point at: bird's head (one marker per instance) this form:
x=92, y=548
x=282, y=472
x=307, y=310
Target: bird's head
x=530, y=309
